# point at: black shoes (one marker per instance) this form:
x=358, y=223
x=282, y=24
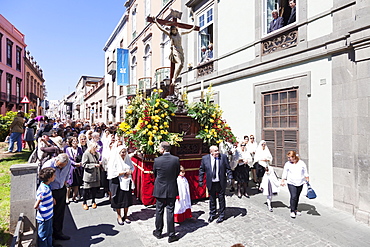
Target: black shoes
x=219, y=220
x=246, y=195
x=120, y=222
x=62, y=237
x=211, y=218
x=173, y=239
x=158, y=235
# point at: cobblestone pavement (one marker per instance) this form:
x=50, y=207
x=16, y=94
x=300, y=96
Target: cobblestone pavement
x=247, y=222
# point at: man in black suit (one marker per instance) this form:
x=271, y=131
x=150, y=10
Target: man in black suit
x=166, y=170
x=292, y=16
x=216, y=167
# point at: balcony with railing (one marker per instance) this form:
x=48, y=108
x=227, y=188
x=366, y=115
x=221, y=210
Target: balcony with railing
x=111, y=101
x=145, y=83
x=3, y=96
x=33, y=97
x=112, y=67
x=13, y=99
x=161, y=74
x=131, y=90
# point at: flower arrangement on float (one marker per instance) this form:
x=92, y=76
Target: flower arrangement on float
x=213, y=129
x=147, y=121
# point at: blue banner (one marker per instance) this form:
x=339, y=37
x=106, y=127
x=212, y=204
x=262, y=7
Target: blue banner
x=123, y=69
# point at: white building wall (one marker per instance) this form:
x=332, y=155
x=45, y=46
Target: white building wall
x=315, y=7
x=236, y=101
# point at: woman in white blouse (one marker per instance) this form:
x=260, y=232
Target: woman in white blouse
x=295, y=173
x=120, y=169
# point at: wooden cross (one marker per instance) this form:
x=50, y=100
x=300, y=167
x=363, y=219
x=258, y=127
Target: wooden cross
x=175, y=15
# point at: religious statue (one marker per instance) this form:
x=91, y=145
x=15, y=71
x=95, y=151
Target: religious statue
x=177, y=53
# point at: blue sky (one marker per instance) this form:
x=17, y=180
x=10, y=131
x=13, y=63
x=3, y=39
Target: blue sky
x=65, y=37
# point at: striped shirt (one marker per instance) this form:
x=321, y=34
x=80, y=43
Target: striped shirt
x=45, y=211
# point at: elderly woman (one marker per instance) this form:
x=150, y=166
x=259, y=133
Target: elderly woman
x=120, y=169
x=82, y=142
x=91, y=177
x=295, y=172
x=75, y=153
x=263, y=157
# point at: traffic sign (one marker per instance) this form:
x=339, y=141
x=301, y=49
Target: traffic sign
x=25, y=100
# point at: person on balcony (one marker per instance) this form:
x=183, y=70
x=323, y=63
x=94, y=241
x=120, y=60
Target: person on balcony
x=277, y=22
x=292, y=16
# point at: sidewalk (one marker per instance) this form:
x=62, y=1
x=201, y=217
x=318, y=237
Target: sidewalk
x=247, y=222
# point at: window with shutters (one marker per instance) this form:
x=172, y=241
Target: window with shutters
x=280, y=123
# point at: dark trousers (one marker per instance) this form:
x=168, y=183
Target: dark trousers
x=295, y=192
x=90, y=193
x=59, y=208
x=169, y=204
x=214, y=191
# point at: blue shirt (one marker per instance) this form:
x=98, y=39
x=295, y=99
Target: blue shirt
x=45, y=211
x=61, y=175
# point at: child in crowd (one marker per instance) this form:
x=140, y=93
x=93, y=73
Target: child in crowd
x=44, y=205
x=183, y=203
x=269, y=185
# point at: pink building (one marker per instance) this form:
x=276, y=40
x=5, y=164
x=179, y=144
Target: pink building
x=12, y=48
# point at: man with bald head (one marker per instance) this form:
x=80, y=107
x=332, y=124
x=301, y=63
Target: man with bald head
x=62, y=166
x=218, y=174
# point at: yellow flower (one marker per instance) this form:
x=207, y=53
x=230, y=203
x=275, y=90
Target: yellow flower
x=161, y=127
x=213, y=115
x=154, y=131
x=211, y=120
x=165, y=105
x=203, y=111
x=159, y=137
x=160, y=90
x=206, y=126
x=219, y=126
x=165, y=123
x=226, y=125
x=162, y=115
x=206, y=130
x=146, y=122
x=150, y=143
x=149, y=126
x=208, y=136
x=172, y=114
x=129, y=111
x=219, y=121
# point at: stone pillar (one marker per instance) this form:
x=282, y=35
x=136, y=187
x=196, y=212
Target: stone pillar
x=23, y=194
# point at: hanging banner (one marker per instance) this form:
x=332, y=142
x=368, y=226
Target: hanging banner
x=123, y=71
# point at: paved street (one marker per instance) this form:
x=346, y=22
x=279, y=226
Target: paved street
x=247, y=222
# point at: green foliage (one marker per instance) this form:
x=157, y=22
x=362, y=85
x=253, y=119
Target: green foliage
x=147, y=123
x=214, y=129
x=20, y=158
x=6, y=121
